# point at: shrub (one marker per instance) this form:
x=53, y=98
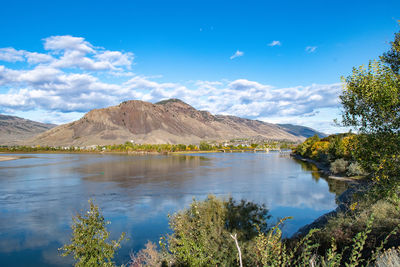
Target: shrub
x=304, y=149
x=345, y=225
x=319, y=150
x=339, y=166
x=273, y=251
x=202, y=233
x=355, y=169
x=89, y=240
x=149, y=256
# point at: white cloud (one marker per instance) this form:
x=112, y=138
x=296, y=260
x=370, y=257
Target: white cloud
x=275, y=43
x=39, y=76
x=11, y=55
x=237, y=54
x=67, y=42
x=35, y=58
x=311, y=49
x=116, y=58
x=47, y=84
x=68, y=52
x=76, y=59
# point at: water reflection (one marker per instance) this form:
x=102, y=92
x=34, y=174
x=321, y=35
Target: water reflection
x=335, y=186
x=39, y=195
x=135, y=170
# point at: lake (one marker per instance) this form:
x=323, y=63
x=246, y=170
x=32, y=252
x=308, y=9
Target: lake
x=39, y=195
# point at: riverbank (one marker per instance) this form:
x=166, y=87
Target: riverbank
x=325, y=170
x=343, y=202
x=112, y=152
x=357, y=184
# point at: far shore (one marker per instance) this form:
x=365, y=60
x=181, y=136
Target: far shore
x=3, y=158
x=131, y=152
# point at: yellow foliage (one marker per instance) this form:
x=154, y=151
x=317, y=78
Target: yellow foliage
x=318, y=148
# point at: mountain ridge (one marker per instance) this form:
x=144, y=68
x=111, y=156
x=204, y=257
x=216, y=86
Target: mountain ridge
x=15, y=129
x=168, y=121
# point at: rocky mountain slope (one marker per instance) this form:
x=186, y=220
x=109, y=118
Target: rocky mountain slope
x=169, y=121
x=13, y=129
x=301, y=130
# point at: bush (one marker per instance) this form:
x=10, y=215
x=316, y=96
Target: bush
x=355, y=169
x=202, y=233
x=149, y=256
x=345, y=225
x=273, y=251
x=89, y=240
x=320, y=151
x=339, y=166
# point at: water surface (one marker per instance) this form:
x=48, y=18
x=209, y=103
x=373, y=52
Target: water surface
x=38, y=195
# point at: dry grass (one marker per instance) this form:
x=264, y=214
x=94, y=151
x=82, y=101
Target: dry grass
x=149, y=256
x=390, y=258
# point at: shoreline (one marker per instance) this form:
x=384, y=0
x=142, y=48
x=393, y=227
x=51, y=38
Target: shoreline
x=356, y=185
x=110, y=152
x=138, y=152
x=324, y=169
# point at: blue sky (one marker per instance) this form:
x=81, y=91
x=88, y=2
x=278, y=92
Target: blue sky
x=273, y=61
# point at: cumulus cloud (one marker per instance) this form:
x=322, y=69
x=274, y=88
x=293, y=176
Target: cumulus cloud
x=67, y=42
x=237, y=54
x=275, y=43
x=11, y=55
x=35, y=58
x=311, y=49
x=68, y=52
x=116, y=58
x=46, y=83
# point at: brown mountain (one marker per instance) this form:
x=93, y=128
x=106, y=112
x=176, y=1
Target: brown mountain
x=13, y=129
x=169, y=121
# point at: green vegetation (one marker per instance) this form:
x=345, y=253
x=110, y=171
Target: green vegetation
x=202, y=233
x=89, y=243
x=383, y=229
x=239, y=144
x=336, y=151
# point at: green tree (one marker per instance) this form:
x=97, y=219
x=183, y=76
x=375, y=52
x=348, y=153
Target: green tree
x=371, y=99
x=304, y=149
x=371, y=105
x=89, y=243
x=202, y=233
x=204, y=146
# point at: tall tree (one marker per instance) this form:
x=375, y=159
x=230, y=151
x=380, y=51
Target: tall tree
x=371, y=105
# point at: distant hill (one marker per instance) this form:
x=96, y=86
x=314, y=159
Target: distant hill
x=301, y=130
x=169, y=121
x=13, y=129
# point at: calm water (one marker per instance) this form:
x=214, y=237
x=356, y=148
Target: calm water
x=39, y=195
